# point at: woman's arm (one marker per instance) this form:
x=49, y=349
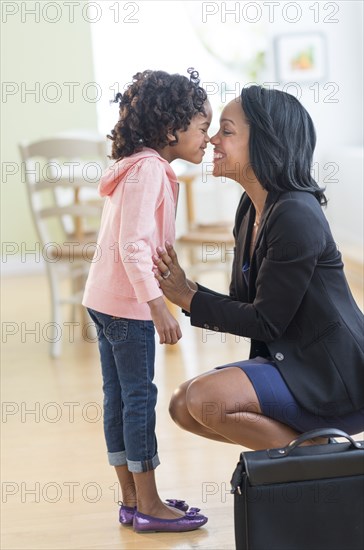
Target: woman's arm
x=172, y=279
x=295, y=239
x=192, y=284
x=176, y=287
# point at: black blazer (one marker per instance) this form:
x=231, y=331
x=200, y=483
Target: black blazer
x=296, y=307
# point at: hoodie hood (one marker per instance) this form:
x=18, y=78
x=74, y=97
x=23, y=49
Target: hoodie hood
x=115, y=173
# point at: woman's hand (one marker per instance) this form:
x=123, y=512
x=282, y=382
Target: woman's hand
x=172, y=278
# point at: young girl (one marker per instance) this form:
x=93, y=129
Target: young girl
x=163, y=117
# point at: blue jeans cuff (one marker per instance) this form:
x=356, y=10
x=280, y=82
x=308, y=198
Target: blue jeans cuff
x=139, y=467
x=117, y=459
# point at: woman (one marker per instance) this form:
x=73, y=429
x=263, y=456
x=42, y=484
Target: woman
x=288, y=292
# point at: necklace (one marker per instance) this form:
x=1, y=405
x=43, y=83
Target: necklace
x=256, y=224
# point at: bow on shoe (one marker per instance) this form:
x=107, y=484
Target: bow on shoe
x=192, y=512
x=176, y=503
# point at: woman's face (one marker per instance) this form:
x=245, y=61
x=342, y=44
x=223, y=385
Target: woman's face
x=231, y=145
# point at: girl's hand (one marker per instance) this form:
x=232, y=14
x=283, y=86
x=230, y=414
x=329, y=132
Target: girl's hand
x=166, y=325
x=172, y=278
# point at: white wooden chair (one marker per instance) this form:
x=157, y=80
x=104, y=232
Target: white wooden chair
x=62, y=174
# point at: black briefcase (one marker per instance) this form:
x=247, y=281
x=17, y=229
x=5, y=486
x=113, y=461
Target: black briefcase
x=301, y=498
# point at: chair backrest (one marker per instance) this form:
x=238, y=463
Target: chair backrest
x=62, y=175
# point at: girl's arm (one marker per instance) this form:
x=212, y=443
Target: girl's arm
x=165, y=324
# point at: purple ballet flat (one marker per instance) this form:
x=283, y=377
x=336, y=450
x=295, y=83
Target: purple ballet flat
x=189, y=522
x=126, y=513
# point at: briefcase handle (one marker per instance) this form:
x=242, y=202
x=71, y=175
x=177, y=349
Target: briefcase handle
x=321, y=432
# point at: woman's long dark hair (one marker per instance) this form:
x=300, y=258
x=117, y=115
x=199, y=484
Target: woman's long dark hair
x=282, y=141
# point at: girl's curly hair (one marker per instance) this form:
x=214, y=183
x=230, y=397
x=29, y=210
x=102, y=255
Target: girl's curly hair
x=155, y=104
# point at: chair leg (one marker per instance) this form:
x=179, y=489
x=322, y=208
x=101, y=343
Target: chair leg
x=76, y=285
x=56, y=339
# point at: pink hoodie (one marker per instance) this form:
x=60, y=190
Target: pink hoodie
x=139, y=215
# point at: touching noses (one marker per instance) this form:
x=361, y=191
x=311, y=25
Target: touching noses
x=214, y=139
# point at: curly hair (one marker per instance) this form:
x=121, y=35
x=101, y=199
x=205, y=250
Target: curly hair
x=155, y=104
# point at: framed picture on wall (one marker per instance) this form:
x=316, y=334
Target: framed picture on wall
x=301, y=57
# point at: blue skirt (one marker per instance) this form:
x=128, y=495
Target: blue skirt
x=277, y=401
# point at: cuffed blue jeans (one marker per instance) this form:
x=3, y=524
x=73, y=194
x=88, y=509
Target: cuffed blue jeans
x=127, y=353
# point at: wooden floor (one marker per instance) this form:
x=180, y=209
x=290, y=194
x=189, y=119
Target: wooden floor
x=58, y=491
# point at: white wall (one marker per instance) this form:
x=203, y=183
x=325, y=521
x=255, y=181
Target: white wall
x=167, y=35
x=339, y=124
x=38, y=57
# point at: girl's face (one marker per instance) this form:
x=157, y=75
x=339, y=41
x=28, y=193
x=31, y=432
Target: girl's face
x=231, y=145
x=193, y=141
